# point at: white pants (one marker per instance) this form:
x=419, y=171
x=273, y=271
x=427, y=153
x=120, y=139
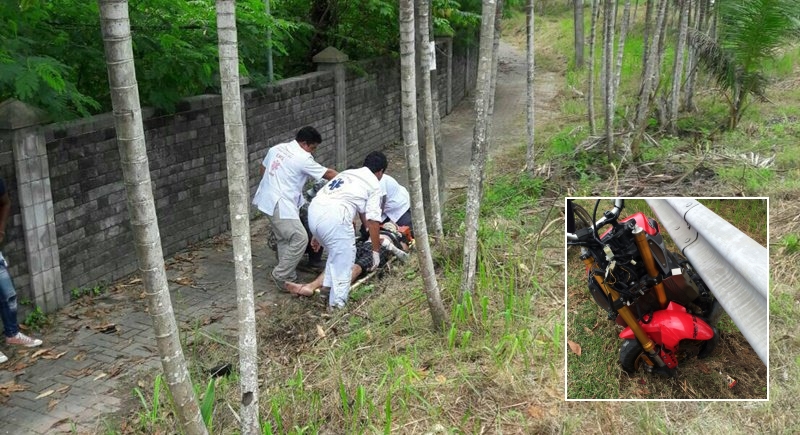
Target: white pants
x=334, y=231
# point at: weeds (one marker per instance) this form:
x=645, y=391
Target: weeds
x=36, y=319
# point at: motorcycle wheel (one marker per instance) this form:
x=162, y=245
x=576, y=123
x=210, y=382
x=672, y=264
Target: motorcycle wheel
x=708, y=347
x=632, y=356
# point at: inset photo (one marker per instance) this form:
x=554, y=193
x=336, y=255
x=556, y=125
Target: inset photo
x=667, y=299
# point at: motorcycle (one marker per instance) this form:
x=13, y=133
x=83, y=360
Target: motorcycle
x=667, y=312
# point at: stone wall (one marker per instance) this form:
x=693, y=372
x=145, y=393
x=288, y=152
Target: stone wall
x=188, y=165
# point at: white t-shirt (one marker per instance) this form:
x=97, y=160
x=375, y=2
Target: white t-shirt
x=356, y=190
x=287, y=166
x=397, y=201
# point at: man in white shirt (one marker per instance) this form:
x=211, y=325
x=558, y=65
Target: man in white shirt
x=330, y=218
x=284, y=171
x=396, y=203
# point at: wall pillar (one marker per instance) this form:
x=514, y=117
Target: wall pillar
x=21, y=123
x=331, y=59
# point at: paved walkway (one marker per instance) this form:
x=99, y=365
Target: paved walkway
x=100, y=346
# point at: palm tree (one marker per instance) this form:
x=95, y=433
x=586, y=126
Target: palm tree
x=530, y=164
x=748, y=33
x=428, y=118
x=409, y=102
x=480, y=142
x=116, y=32
x=238, y=193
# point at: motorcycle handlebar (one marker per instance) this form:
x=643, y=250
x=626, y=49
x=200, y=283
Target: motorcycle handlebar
x=619, y=204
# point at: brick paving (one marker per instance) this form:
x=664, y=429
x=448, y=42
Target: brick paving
x=104, y=343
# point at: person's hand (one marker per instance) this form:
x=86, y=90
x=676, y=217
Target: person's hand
x=376, y=260
x=314, y=244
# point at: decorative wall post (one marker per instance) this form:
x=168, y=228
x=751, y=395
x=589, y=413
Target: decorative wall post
x=21, y=123
x=331, y=59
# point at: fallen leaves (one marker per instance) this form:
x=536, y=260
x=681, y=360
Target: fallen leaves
x=320, y=331
x=107, y=328
x=574, y=347
x=11, y=387
x=45, y=394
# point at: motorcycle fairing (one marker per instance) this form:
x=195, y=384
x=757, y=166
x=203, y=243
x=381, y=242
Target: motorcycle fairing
x=669, y=326
x=641, y=220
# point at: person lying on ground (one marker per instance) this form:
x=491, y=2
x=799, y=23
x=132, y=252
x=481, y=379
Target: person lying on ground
x=393, y=241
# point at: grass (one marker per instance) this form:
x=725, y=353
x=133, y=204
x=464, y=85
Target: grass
x=499, y=370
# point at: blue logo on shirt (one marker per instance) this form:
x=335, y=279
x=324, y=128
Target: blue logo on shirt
x=335, y=184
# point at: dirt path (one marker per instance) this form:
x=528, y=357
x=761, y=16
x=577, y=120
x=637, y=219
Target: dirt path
x=508, y=122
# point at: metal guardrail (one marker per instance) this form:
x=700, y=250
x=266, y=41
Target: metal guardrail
x=734, y=267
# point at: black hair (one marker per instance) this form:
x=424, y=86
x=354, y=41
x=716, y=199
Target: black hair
x=376, y=161
x=309, y=135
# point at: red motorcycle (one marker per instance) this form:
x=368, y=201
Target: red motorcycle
x=666, y=309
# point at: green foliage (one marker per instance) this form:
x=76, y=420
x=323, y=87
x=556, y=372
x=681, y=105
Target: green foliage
x=509, y=193
x=207, y=406
x=750, y=32
x=79, y=292
x=151, y=416
x=791, y=243
x=51, y=52
x=36, y=319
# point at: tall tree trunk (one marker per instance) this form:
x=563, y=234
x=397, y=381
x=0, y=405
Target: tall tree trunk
x=479, y=144
x=427, y=56
x=116, y=33
x=238, y=194
x=608, y=84
x=268, y=37
x=647, y=32
x=648, y=78
x=590, y=90
x=579, y=38
x=530, y=164
x=688, y=94
x=623, y=33
x=677, y=71
x=409, y=102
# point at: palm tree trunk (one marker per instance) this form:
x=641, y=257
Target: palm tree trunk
x=688, y=91
x=238, y=194
x=427, y=113
x=579, y=38
x=409, y=102
x=623, y=32
x=648, y=23
x=590, y=90
x=116, y=32
x=677, y=71
x=648, y=79
x=608, y=83
x=479, y=144
x=530, y=165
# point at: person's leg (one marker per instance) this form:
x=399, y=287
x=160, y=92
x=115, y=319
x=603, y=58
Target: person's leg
x=292, y=240
x=8, y=311
x=306, y=289
x=8, y=302
x=340, y=242
x=405, y=220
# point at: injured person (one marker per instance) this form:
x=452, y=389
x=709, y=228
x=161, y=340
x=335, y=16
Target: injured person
x=394, y=241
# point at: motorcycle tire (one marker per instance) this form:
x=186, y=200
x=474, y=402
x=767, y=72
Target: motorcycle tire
x=632, y=356
x=708, y=347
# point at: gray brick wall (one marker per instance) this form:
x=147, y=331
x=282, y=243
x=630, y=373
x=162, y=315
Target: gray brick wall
x=373, y=107
x=13, y=246
x=188, y=166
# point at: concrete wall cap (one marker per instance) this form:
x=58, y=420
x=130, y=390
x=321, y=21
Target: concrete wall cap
x=15, y=114
x=330, y=55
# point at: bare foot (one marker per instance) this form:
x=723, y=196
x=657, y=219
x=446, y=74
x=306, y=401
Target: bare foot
x=298, y=289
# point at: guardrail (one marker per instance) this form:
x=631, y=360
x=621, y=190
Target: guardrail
x=734, y=267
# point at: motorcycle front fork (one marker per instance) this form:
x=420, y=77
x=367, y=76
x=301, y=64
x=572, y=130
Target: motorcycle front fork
x=662, y=361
